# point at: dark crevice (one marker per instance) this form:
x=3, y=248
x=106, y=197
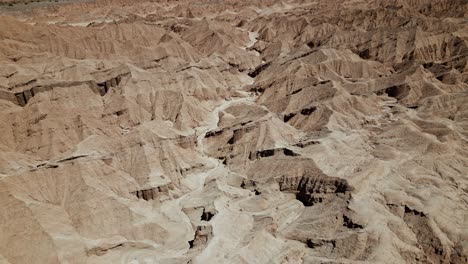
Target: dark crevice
x=364, y=54
x=120, y=112
x=259, y=69
x=145, y=194
x=213, y=133
x=428, y=65
x=314, y=44
x=206, y=215
x=397, y=92
x=261, y=89
x=308, y=111
x=195, y=67
x=104, y=87
x=152, y=193
x=21, y=99
x=234, y=65
x=72, y=158
x=348, y=222
x=271, y=152
x=409, y=56
x=257, y=90
x=250, y=185
x=47, y=166
x=308, y=143
x=288, y=117
x=311, y=244
x=308, y=200
x=263, y=154
x=296, y=91
x=415, y=212
x=247, y=184
x=100, y=251
x=289, y=152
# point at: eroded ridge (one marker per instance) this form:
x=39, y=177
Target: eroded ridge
x=234, y=131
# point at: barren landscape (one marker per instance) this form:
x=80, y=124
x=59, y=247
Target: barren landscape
x=233, y=131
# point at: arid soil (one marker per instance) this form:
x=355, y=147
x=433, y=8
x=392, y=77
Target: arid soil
x=232, y=131
x=18, y=7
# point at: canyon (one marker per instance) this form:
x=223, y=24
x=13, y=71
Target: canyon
x=234, y=131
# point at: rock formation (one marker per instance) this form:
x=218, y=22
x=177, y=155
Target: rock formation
x=227, y=131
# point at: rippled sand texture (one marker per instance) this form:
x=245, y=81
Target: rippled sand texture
x=226, y=131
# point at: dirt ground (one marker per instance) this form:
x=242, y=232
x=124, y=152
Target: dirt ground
x=13, y=6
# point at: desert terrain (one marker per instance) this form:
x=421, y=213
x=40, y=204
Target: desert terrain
x=234, y=131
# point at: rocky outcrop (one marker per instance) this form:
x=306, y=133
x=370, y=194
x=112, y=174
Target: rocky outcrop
x=234, y=131
x=104, y=87
x=311, y=189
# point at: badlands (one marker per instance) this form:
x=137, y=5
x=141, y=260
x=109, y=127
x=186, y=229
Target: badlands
x=234, y=131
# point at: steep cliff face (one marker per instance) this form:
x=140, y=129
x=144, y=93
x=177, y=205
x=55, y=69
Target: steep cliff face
x=234, y=132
